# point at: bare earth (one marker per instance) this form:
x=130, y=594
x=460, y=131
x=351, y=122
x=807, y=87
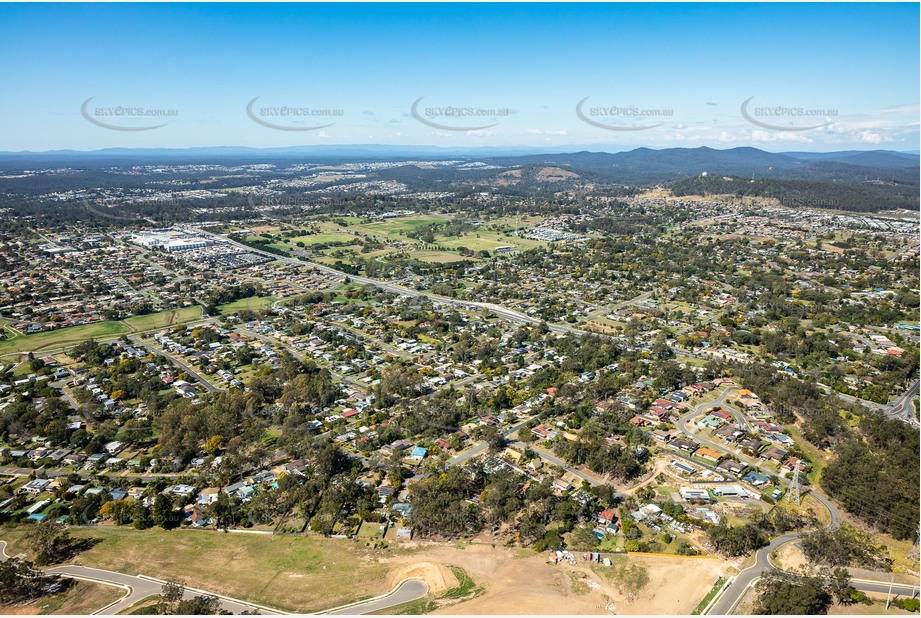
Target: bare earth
x=517, y=581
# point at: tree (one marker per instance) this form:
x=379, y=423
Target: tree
x=584, y=537
x=162, y=512
x=140, y=515
x=214, y=444
x=199, y=606
x=785, y=594
x=840, y=584
x=51, y=542
x=170, y=596
x=494, y=439
x=738, y=540
x=20, y=581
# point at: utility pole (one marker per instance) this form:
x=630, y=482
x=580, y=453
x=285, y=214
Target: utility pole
x=915, y=554
x=889, y=594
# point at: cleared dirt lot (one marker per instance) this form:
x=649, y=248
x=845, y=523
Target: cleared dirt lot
x=521, y=581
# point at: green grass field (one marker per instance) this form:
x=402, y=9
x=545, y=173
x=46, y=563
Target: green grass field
x=163, y=319
x=72, y=335
x=290, y=572
x=395, y=230
x=322, y=238
x=62, y=337
x=253, y=303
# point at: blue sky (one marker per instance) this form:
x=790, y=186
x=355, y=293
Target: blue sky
x=673, y=74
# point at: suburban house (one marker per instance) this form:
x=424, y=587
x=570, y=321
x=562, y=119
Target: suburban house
x=794, y=462
x=195, y=516
x=728, y=433
x=707, y=453
x=543, y=432
x=731, y=466
x=607, y=517
x=36, y=486
x=684, y=445
x=774, y=454
x=688, y=493
x=756, y=478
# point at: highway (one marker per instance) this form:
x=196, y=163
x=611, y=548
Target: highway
x=504, y=312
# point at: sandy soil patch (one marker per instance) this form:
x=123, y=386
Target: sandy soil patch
x=791, y=558
x=438, y=576
x=555, y=174
x=521, y=581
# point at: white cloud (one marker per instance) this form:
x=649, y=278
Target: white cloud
x=868, y=137
x=550, y=132
x=911, y=110
x=779, y=136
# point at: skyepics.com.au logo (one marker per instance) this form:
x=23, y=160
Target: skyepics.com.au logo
x=125, y=117
x=268, y=201
x=638, y=117
x=291, y=117
x=786, y=117
x=458, y=118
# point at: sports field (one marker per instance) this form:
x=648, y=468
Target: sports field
x=72, y=335
x=253, y=303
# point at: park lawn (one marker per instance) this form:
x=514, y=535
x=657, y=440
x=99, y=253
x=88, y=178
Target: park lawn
x=163, y=319
x=253, y=303
x=297, y=573
x=488, y=241
x=397, y=227
x=72, y=335
x=440, y=257
x=322, y=238
x=62, y=337
x=524, y=221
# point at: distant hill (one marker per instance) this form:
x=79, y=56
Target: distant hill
x=863, y=181
x=648, y=166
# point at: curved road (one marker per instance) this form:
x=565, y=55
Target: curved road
x=406, y=591
x=902, y=407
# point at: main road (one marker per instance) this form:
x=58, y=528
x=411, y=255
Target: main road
x=504, y=312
